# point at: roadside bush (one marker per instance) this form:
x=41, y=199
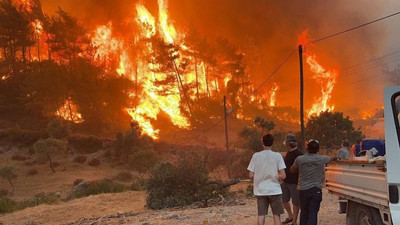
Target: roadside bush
x=32, y=172
x=86, y=144
x=172, y=186
x=94, y=162
x=6, y=205
x=19, y=157
x=38, y=199
x=100, y=187
x=21, y=137
x=80, y=159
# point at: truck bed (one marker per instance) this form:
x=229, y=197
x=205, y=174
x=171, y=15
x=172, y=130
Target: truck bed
x=359, y=181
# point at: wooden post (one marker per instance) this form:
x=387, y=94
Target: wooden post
x=226, y=137
x=301, y=98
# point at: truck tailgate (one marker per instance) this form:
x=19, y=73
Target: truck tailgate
x=359, y=181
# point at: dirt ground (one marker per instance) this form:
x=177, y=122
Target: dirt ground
x=123, y=208
x=129, y=208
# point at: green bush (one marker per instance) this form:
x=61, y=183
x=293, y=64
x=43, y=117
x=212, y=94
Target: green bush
x=172, y=186
x=38, y=199
x=99, y=187
x=86, y=144
x=7, y=205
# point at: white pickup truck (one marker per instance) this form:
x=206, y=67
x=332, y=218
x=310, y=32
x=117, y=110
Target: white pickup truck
x=372, y=188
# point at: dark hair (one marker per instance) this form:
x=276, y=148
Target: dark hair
x=313, y=146
x=268, y=140
x=346, y=143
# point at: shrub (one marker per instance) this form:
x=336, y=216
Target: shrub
x=94, y=162
x=80, y=159
x=86, y=144
x=58, y=128
x=171, y=186
x=6, y=205
x=7, y=173
x=32, y=172
x=99, y=187
x=38, y=199
x=19, y=157
x=47, y=148
x=123, y=176
x=142, y=161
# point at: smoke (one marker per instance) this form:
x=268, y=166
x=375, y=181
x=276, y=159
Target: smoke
x=271, y=29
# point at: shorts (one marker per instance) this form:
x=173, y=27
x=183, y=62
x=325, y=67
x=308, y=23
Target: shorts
x=274, y=200
x=290, y=191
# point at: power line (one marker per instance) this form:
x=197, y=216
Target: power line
x=353, y=28
x=285, y=60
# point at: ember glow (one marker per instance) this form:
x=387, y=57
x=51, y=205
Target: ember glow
x=325, y=78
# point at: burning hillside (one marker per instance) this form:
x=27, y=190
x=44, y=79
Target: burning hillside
x=179, y=69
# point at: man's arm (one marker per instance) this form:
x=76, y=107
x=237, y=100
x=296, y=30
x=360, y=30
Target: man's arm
x=282, y=175
x=294, y=169
x=251, y=175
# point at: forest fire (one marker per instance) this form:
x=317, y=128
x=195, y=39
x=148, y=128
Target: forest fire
x=325, y=78
x=177, y=74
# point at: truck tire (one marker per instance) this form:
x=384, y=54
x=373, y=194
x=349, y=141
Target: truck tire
x=365, y=215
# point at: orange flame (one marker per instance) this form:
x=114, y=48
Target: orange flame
x=146, y=20
x=69, y=111
x=326, y=79
x=38, y=27
x=272, y=95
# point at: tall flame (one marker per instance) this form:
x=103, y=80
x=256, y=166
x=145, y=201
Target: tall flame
x=272, y=95
x=167, y=30
x=325, y=78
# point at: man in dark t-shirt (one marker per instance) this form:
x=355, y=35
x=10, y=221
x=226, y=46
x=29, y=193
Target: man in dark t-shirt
x=289, y=185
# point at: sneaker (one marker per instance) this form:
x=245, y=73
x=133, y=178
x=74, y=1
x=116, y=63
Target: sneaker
x=288, y=220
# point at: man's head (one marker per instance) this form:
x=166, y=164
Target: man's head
x=346, y=143
x=313, y=146
x=268, y=140
x=290, y=141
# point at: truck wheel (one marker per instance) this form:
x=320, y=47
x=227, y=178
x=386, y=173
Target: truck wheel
x=367, y=216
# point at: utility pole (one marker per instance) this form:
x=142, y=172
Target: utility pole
x=227, y=141
x=301, y=97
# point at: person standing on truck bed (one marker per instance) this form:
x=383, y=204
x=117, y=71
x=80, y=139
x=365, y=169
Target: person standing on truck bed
x=289, y=185
x=311, y=169
x=343, y=154
x=267, y=169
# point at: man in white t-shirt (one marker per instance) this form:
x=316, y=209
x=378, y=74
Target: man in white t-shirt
x=267, y=168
